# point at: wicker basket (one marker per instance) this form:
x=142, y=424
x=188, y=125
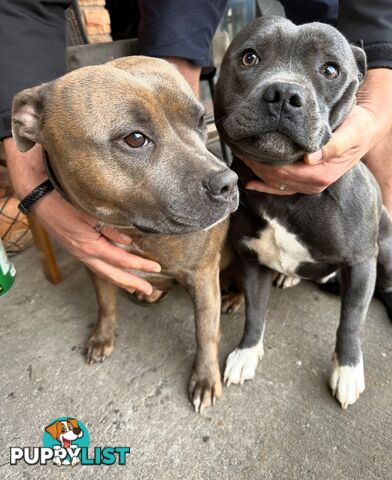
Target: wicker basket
x=14, y=227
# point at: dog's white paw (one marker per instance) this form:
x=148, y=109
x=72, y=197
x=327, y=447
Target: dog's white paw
x=347, y=383
x=57, y=461
x=241, y=364
x=286, y=281
x=75, y=461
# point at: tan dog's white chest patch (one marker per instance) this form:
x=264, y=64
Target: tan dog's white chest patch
x=279, y=249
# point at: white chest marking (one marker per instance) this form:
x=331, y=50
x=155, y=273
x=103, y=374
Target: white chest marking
x=279, y=249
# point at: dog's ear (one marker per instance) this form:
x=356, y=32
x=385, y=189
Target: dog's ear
x=341, y=109
x=54, y=429
x=360, y=60
x=73, y=422
x=28, y=111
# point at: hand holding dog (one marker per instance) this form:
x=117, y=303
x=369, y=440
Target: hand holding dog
x=73, y=229
x=367, y=124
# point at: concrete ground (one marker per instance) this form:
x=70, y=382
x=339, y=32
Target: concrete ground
x=282, y=425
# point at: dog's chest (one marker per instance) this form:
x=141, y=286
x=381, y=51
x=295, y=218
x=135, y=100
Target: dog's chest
x=277, y=248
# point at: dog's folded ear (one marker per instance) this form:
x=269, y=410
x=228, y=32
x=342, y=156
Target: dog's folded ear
x=28, y=111
x=53, y=429
x=73, y=422
x=360, y=59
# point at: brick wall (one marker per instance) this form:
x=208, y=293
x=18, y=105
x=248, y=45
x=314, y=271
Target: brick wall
x=96, y=20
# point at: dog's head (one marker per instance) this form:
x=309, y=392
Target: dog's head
x=127, y=144
x=65, y=430
x=283, y=89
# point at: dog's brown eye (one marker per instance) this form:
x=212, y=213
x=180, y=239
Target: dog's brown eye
x=136, y=140
x=201, y=122
x=249, y=59
x=329, y=71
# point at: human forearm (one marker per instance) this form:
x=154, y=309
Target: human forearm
x=26, y=170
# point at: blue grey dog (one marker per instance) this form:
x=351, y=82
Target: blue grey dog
x=283, y=90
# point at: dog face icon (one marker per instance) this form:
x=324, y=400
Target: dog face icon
x=65, y=431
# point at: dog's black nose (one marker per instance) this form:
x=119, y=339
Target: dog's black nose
x=221, y=184
x=76, y=430
x=284, y=95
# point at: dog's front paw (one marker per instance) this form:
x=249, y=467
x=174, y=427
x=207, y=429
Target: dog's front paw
x=232, y=302
x=75, y=461
x=347, y=382
x=286, y=281
x=241, y=364
x=57, y=461
x=152, y=298
x=99, y=348
x=204, y=388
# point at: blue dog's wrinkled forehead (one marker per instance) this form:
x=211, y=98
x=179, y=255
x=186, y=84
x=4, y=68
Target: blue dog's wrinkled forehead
x=269, y=34
x=281, y=45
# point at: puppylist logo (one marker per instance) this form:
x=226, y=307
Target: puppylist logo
x=65, y=442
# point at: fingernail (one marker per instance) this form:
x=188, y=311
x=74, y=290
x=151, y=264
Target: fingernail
x=148, y=291
x=315, y=157
x=125, y=238
x=156, y=268
x=251, y=186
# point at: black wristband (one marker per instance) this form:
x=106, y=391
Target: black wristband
x=38, y=192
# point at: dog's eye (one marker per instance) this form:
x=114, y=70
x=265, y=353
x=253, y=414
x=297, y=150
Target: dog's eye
x=249, y=58
x=70, y=427
x=329, y=71
x=136, y=140
x=201, y=124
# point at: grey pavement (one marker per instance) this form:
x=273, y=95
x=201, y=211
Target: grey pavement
x=282, y=425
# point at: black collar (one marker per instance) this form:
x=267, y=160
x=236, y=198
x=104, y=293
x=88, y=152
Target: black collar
x=51, y=175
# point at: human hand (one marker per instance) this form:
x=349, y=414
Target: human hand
x=74, y=229
x=367, y=124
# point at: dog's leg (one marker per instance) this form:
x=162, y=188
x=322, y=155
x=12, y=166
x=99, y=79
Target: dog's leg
x=384, y=263
x=101, y=343
x=242, y=362
x=347, y=380
x=205, y=382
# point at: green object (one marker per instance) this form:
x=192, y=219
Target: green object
x=7, y=272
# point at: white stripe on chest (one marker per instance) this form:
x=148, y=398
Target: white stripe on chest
x=279, y=249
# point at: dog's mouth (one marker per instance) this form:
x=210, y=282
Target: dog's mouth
x=273, y=147
x=181, y=220
x=66, y=443
x=177, y=226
